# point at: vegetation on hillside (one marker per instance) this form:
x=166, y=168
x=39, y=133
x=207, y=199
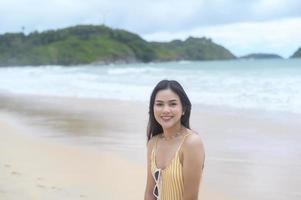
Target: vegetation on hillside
x=84, y=44
x=261, y=56
x=191, y=49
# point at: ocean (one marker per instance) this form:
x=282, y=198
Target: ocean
x=272, y=85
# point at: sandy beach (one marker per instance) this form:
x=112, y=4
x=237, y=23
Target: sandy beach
x=39, y=169
x=73, y=148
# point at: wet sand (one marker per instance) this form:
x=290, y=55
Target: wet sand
x=71, y=148
x=36, y=168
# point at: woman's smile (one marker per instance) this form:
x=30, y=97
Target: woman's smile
x=166, y=118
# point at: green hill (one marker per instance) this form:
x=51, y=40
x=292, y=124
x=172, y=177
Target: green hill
x=297, y=54
x=191, y=49
x=86, y=44
x=261, y=56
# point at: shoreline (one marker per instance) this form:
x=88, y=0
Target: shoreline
x=52, y=100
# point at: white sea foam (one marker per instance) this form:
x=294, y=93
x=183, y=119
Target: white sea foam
x=263, y=84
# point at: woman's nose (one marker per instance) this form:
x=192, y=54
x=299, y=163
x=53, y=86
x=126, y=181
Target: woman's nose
x=166, y=109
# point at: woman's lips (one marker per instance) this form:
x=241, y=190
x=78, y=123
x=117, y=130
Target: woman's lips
x=166, y=118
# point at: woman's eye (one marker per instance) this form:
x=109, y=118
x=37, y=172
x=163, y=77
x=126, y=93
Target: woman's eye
x=159, y=104
x=173, y=104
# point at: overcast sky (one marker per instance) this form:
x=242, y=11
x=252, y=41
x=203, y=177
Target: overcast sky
x=242, y=26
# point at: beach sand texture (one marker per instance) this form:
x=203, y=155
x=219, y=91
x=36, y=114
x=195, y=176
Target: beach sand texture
x=71, y=148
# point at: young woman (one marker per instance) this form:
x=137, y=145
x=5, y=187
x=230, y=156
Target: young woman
x=175, y=153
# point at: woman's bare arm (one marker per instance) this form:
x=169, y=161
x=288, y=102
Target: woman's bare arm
x=150, y=183
x=193, y=162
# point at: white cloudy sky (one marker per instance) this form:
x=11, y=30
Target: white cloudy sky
x=242, y=26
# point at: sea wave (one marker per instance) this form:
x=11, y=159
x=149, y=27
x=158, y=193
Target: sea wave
x=267, y=85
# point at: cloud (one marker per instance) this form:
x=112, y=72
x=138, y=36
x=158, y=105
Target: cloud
x=278, y=36
x=141, y=16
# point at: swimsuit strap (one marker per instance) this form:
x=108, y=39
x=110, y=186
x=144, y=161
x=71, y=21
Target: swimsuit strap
x=183, y=141
x=155, y=148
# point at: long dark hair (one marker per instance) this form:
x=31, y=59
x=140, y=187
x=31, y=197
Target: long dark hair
x=153, y=127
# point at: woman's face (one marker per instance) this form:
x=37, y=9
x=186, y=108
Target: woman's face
x=167, y=108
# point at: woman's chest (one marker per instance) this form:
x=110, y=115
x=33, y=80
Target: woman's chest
x=168, y=154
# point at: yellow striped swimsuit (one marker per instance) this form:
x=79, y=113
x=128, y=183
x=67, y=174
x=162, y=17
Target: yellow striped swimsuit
x=170, y=184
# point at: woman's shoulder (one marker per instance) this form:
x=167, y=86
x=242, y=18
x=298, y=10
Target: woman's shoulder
x=193, y=141
x=152, y=141
x=193, y=149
